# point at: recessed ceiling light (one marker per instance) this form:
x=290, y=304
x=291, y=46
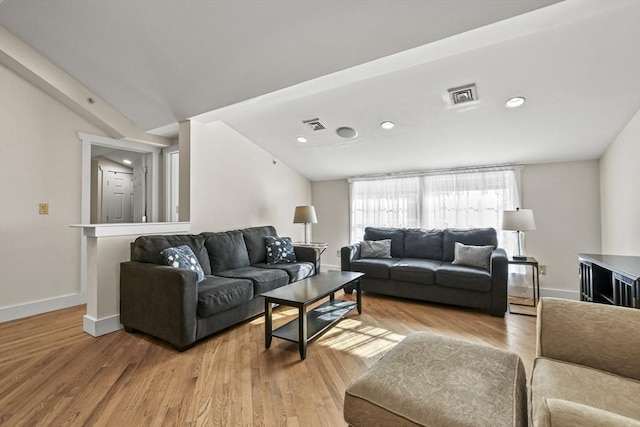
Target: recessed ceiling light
x=301, y=139
x=387, y=125
x=127, y=161
x=515, y=102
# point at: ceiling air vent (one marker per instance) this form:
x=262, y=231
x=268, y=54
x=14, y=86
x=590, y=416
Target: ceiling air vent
x=462, y=94
x=314, y=124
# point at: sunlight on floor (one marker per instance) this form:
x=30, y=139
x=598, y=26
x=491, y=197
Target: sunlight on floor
x=349, y=335
x=353, y=337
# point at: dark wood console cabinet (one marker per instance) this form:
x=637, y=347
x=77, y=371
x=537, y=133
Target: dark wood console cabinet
x=610, y=279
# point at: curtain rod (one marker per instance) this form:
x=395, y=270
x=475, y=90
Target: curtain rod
x=435, y=172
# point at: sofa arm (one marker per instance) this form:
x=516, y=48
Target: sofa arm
x=160, y=301
x=348, y=254
x=562, y=413
x=307, y=254
x=599, y=336
x=499, y=268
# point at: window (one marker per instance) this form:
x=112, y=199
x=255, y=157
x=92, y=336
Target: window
x=384, y=203
x=449, y=199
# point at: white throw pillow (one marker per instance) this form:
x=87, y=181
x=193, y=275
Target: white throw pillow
x=473, y=256
x=375, y=248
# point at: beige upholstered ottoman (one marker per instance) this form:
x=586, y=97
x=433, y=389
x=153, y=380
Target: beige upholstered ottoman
x=431, y=380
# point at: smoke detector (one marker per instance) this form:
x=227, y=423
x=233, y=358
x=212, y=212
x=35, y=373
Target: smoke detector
x=314, y=124
x=463, y=94
x=347, y=132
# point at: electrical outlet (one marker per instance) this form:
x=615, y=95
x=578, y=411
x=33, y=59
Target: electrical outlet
x=543, y=269
x=338, y=253
x=43, y=208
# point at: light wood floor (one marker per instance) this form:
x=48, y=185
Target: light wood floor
x=52, y=373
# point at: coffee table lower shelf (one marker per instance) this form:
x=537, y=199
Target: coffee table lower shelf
x=303, y=293
x=318, y=320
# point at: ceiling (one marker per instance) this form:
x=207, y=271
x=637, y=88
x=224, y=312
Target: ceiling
x=117, y=155
x=263, y=67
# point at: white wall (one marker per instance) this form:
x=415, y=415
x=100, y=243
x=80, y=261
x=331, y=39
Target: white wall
x=620, y=192
x=236, y=184
x=331, y=201
x=39, y=162
x=565, y=200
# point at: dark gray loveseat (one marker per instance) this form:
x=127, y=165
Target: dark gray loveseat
x=168, y=303
x=421, y=268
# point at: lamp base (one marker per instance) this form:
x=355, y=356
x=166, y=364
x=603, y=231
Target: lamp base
x=519, y=258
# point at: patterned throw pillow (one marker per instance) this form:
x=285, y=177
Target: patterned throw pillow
x=183, y=257
x=279, y=250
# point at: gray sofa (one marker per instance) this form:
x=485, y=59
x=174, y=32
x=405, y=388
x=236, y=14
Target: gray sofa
x=421, y=268
x=169, y=303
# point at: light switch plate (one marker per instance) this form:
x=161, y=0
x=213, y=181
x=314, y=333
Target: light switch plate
x=43, y=208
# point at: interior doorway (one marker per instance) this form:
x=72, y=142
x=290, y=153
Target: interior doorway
x=117, y=197
x=100, y=154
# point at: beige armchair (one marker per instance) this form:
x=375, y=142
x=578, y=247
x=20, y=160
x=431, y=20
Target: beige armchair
x=587, y=370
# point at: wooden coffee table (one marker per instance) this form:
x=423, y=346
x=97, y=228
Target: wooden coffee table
x=310, y=324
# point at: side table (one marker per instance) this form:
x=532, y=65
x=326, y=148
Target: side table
x=535, y=271
x=318, y=247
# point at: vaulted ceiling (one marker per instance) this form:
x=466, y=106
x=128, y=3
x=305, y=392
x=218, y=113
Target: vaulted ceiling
x=264, y=67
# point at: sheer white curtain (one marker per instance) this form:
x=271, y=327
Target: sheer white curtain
x=390, y=202
x=470, y=199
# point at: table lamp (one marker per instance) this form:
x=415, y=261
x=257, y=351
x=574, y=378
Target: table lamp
x=519, y=220
x=305, y=215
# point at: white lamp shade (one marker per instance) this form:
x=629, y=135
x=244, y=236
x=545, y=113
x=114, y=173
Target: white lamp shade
x=518, y=220
x=305, y=215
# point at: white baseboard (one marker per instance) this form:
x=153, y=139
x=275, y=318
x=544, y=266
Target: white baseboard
x=544, y=292
x=39, y=307
x=98, y=327
x=560, y=293
x=327, y=267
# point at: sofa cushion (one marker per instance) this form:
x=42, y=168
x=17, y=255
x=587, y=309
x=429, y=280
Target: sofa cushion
x=254, y=241
x=296, y=271
x=375, y=248
x=217, y=294
x=415, y=270
x=375, y=268
x=395, y=234
x=226, y=249
x=553, y=379
x=463, y=277
x=148, y=248
x=472, y=256
x=279, y=250
x=183, y=257
x=264, y=279
x=476, y=236
x=423, y=243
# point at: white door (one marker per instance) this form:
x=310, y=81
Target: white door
x=117, y=197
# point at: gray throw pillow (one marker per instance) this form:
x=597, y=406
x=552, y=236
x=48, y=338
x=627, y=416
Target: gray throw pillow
x=473, y=256
x=375, y=248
